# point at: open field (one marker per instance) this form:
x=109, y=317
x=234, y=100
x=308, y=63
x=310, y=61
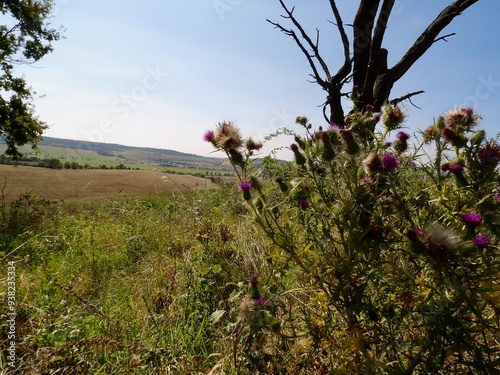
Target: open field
x=94, y=183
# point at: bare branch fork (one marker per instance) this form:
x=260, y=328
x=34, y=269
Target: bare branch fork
x=367, y=67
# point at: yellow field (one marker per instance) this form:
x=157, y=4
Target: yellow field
x=70, y=184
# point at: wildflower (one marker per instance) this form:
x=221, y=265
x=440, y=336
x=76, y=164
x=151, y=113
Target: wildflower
x=401, y=143
x=235, y=156
x=366, y=181
x=334, y=127
x=402, y=136
x=253, y=145
x=393, y=117
x=472, y=219
x=461, y=116
x=456, y=169
x=245, y=187
x=431, y=133
x=369, y=107
x=320, y=172
x=348, y=136
x=261, y=301
x=255, y=293
x=477, y=137
x=389, y=162
x=441, y=242
x=413, y=234
x=304, y=204
x=325, y=138
x=328, y=152
x=282, y=185
x=209, y=136
x=228, y=136
x=445, y=167
x=481, y=242
x=453, y=137
x=376, y=117
x=299, y=158
x=300, y=142
x=372, y=163
x=247, y=308
x=489, y=153
x=302, y=120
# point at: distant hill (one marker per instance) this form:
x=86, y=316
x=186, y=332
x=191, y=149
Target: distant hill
x=105, y=147
x=110, y=155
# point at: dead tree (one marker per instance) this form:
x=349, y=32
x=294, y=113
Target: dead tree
x=364, y=66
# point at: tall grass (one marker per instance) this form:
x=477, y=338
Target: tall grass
x=128, y=285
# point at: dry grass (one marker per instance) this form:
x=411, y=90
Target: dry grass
x=72, y=184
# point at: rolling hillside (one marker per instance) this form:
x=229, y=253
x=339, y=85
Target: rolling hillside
x=95, y=155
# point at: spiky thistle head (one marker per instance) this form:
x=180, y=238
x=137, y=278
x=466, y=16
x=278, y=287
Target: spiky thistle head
x=228, y=136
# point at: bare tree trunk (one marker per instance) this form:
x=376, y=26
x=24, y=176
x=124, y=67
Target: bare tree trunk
x=371, y=77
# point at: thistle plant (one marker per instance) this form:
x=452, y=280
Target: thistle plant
x=391, y=252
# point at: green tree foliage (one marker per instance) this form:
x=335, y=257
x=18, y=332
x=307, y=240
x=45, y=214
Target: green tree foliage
x=25, y=37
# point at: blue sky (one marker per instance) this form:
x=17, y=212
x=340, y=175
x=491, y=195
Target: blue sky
x=159, y=73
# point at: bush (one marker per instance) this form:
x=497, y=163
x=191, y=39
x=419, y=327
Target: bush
x=391, y=251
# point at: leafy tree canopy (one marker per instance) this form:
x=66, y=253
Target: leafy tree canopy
x=25, y=37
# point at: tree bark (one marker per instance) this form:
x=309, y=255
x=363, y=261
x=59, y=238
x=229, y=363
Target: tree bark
x=367, y=69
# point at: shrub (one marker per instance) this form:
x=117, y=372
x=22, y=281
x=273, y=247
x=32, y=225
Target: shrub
x=391, y=251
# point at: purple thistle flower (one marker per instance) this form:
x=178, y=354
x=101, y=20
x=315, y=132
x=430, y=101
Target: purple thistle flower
x=472, y=219
x=389, y=162
x=334, y=127
x=482, y=241
x=304, y=204
x=366, y=181
x=456, y=168
x=261, y=301
x=402, y=136
x=445, y=167
x=413, y=234
x=376, y=117
x=245, y=186
x=490, y=152
x=209, y=136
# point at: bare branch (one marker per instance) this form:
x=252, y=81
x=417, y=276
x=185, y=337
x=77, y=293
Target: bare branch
x=306, y=37
x=406, y=97
x=310, y=59
x=428, y=37
x=346, y=67
x=444, y=37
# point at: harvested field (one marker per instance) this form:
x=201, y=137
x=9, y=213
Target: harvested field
x=70, y=184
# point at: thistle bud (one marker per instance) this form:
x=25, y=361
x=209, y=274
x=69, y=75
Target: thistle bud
x=299, y=158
